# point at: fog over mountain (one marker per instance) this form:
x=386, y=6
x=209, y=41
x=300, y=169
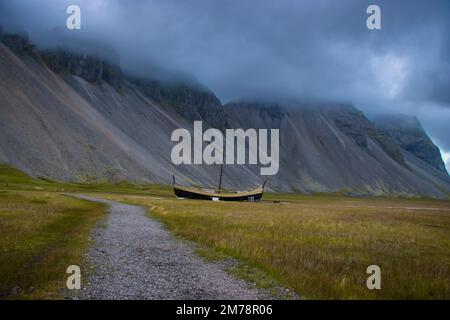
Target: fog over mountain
x=268, y=49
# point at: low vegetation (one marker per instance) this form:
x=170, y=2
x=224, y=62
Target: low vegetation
x=41, y=234
x=321, y=246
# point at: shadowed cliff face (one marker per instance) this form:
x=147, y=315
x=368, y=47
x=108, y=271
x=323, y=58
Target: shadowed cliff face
x=86, y=67
x=68, y=116
x=18, y=43
x=355, y=124
x=410, y=135
x=192, y=101
x=328, y=147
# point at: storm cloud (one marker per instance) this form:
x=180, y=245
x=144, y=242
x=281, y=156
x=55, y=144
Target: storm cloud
x=270, y=49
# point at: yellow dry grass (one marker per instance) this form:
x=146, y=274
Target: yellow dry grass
x=321, y=246
x=41, y=234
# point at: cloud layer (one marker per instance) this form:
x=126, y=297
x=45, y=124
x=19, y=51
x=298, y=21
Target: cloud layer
x=275, y=48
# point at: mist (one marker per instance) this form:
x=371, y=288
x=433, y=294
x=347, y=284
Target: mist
x=271, y=49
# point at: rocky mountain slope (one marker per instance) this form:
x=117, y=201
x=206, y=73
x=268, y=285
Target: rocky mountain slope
x=410, y=136
x=71, y=116
x=80, y=119
x=335, y=147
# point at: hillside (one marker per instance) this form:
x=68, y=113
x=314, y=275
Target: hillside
x=75, y=117
x=335, y=147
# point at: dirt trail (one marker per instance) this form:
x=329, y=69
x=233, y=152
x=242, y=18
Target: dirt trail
x=134, y=257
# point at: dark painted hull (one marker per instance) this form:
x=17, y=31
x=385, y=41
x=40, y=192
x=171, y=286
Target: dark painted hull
x=181, y=193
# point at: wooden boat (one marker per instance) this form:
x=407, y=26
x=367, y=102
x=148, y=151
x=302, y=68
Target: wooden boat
x=208, y=194
x=218, y=195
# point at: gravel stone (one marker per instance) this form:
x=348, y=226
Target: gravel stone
x=134, y=257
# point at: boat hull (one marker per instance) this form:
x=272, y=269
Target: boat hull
x=193, y=194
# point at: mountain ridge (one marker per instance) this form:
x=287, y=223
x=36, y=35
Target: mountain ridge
x=408, y=132
x=77, y=118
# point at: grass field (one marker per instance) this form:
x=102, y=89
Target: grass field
x=41, y=234
x=319, y=246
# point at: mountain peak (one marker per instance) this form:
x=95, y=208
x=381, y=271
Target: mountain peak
x=411, y=136
x=75, y=117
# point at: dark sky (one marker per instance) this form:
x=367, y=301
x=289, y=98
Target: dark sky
x=276, y=48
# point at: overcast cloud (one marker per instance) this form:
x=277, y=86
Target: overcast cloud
x=275, y=48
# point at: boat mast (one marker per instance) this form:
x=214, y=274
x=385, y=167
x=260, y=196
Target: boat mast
x=220, y=180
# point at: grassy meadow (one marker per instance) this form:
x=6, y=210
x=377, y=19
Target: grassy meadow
x=41, y=234
x=319, y=246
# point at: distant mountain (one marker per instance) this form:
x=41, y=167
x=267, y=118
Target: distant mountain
x=72, y=116
x=410, y=135
x=328, y=147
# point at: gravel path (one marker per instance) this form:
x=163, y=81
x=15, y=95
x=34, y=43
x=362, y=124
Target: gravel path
x=134, y=257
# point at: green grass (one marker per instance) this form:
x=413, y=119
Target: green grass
x=41, y=234
x=321, y=246
x=13, y=179
x=317, y=245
